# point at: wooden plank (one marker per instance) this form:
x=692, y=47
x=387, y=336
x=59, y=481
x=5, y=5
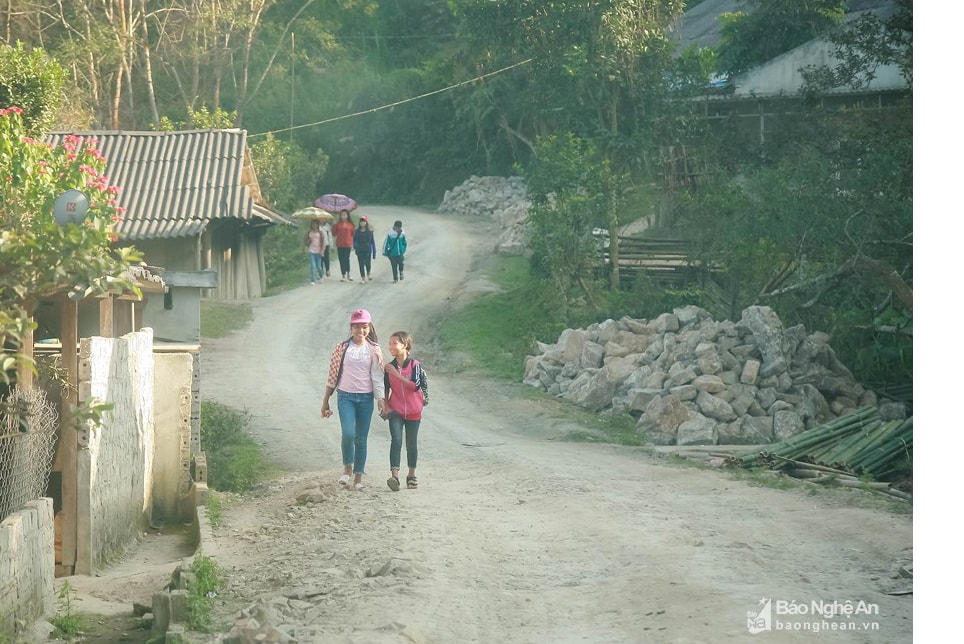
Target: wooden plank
x=25, y=371
x=107, y=317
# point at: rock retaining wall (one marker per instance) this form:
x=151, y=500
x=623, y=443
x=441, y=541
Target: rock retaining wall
x=692, y=380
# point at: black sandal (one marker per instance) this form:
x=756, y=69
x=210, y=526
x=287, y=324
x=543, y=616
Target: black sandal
x=411, y=482
x=393, y=484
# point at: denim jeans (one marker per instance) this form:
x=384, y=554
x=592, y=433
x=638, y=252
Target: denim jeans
x=355, y=413
x=395, y=425
x=315, y=265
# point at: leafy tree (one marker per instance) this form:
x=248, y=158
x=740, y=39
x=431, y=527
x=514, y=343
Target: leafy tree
x=201, y=119
x=573, y=190
x=862, y=47
x=33, y=82
x=598, y=70
x=38, y=257
x=768, y=28
x=288, y=176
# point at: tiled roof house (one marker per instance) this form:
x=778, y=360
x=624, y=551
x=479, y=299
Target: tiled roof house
x=193, y=202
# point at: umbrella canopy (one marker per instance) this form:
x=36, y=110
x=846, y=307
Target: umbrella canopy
x=334, y=202
x=312, y=213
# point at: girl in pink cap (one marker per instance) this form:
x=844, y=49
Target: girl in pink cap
x=356, y=372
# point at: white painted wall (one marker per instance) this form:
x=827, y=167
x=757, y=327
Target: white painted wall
x=116, y=460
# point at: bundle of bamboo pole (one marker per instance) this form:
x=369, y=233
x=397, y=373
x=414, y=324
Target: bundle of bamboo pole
x=855, y=445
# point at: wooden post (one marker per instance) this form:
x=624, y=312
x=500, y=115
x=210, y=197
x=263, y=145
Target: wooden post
x=68, y=356
x=25, y=370
x=107, y=316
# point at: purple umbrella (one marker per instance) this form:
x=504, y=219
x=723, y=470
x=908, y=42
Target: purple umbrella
x=334, y=202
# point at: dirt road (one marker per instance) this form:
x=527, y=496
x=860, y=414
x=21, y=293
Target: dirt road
x=515, y=535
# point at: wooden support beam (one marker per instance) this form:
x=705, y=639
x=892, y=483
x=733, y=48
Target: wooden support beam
x=107, y=316
x=25, y=370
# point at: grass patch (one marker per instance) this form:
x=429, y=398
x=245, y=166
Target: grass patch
x=236, y=463
x=606, y=427
x=497, y=330
x=763, y=477
x=219, y=318
x=207, y=580
x=215, y=507
x=68, y=621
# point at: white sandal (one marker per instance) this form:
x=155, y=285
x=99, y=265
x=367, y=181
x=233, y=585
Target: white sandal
x=359, y=487
x=344, y=480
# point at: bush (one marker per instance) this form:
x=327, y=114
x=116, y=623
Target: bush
x=236, y=463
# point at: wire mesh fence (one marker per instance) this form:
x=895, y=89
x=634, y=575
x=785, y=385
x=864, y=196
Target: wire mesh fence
x=28, y=435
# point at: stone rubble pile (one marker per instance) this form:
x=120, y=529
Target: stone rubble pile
x=692, y=380
x=503, y=199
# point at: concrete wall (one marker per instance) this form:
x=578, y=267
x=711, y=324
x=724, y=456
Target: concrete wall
x=115, y=461
x=180, y=323
x=26, y=565
x=173, y=383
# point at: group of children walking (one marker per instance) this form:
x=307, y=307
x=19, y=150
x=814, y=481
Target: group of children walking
x=348, y=238
x=358, y=374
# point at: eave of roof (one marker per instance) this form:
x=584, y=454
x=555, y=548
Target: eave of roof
x=174, y=184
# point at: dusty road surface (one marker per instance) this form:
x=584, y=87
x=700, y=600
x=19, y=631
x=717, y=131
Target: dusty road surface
x=516, y=535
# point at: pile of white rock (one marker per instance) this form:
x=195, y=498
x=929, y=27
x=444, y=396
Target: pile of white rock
x=502, y=199
x=692, y=380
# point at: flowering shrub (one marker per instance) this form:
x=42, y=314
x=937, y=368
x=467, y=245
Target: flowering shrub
x=38, y=257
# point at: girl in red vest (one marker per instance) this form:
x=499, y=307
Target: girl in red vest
x=406, y=392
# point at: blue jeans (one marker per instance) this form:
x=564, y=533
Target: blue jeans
x=316, y=265
x=355, y=413
x=395, y=426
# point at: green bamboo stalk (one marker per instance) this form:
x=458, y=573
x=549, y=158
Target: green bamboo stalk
x=845, y=446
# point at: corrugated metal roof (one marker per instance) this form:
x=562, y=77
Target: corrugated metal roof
x=173, y=184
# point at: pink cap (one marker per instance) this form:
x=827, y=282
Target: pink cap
x=361, y=316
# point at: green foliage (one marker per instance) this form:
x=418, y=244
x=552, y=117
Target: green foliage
x=497, y=329
x=288, y=177
x=215, y=508
x=220, y=318
x=285, y=261
x=68, y=621
x=769, y=28
x=38, y=257
x=865, y=44
x=32, y=81
x=573, y=190
x=236, y=463
x=207, y=581
x=200, y=119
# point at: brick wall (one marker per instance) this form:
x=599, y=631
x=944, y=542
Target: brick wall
x=26, y=565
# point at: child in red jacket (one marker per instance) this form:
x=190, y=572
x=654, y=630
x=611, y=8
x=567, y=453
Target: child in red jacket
x=406, y=390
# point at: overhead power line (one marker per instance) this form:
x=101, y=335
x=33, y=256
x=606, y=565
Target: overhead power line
x=395, y=104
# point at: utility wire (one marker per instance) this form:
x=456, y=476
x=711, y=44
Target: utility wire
x=395, y=104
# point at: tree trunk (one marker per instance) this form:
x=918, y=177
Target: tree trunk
x=148, y=67
x=614, y=251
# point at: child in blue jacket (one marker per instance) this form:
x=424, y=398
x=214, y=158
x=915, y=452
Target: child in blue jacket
x=394, y=249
